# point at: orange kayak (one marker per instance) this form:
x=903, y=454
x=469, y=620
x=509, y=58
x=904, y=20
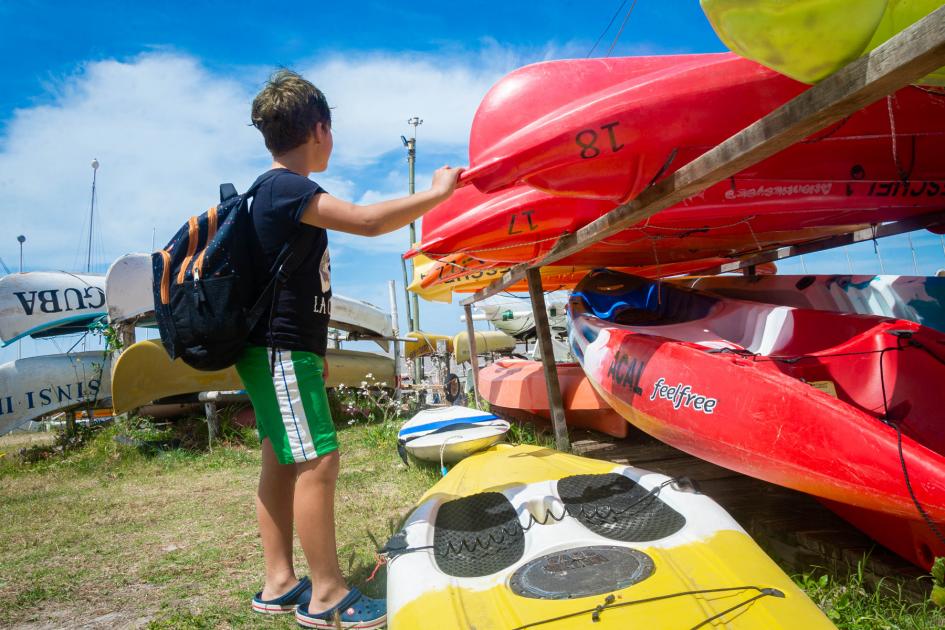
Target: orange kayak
x=516, y=387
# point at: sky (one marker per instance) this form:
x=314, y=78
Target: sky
x=160, y=94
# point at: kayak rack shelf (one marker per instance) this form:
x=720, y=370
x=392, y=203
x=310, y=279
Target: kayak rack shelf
x=903, y=59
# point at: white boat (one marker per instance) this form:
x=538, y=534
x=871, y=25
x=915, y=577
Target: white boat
x=919, y=299
x=514, y=316
x=47, y=303
x=39, y=386
x=448, y=434
x=131, y=299
x=128, y=291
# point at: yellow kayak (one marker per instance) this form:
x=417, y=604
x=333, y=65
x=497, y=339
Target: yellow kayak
x=527, y=537
x=144, y=373
x=487, y=341
x=808, y=40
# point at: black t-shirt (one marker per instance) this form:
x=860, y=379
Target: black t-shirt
x=303, y=306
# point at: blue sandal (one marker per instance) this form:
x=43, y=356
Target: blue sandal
x=355, y=611
x=298, y=594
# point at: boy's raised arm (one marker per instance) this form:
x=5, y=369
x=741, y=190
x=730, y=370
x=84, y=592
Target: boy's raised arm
x=374, y=219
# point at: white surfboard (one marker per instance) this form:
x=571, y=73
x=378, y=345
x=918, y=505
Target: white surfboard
x=46, y=303
x=450, y=433
x=38, y=386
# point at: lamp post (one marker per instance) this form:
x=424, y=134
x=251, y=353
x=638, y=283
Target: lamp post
x=21, y=239
x=413, y=304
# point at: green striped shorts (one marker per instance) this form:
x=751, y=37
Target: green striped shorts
x=291, y=404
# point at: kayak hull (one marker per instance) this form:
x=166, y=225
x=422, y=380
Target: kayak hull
x=562, y=566
x=48, y=303
x=449, y=434
x=594, y=139
x=920, y=299
x=35, y=387
x=515, y=386
x=144, y=373
x=725, y=384
x=809, y=41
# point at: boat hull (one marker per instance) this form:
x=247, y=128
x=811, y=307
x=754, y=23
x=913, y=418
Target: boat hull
x=144, y=373
x=516, y=387
x=35, y=387
x=920, y=299
x=48, y=303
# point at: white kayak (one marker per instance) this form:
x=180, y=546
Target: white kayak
x=526, y=537
x=515, y=317
x=128, y=290
x=46, y=303
x=131, y=299
x=920, y=299
x=38, y=386
x=449, y=434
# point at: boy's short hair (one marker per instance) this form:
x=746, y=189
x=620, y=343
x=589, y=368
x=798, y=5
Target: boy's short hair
x=287, y=109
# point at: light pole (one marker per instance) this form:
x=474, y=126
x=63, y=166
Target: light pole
x=411, y=145
x=413, y=305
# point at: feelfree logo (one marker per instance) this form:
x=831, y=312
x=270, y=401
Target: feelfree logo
x=681, y=395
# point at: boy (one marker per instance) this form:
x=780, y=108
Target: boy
x=299, y=446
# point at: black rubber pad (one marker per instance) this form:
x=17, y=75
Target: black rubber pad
x=618, y=508
x=477, y=535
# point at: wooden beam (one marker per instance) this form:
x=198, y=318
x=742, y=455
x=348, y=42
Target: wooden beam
x=910, y=55
x=831, y=242
x=473, y=354
x=543, y=333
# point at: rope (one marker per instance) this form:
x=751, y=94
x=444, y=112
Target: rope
x=620, y=32
x=895, y=425
x=609, y=604
x=606, y=28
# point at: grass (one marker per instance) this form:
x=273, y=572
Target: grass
x=137, y=534
x=852, y=605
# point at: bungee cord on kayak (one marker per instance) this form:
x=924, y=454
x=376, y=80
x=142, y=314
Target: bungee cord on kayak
x=610, y=603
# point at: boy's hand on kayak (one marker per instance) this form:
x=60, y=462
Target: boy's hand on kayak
x=444, y=181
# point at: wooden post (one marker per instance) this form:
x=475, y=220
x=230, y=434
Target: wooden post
x=543, y=332
x=473, y=354
x=126, y=335
x=213, y=422
x=70, y=422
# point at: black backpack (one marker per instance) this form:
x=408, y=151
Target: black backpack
x=206, y=287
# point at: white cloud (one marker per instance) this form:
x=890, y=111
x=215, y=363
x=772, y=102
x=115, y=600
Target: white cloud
x=373, y=96
x=167, y=131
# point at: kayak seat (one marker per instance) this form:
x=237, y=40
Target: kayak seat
x=642, y=302
x=616, y=507
x=477, y=535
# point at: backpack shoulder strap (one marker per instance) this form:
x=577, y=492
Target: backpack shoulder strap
x=288, y=260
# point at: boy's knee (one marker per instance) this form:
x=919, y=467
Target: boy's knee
x=326, y=464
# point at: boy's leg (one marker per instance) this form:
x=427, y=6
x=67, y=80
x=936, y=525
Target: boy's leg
x=315, y=521
x=274, y=499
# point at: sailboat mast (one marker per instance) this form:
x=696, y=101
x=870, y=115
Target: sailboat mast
x=88, y=262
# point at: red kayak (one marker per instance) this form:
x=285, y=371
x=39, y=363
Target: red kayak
x=517, y=386
x=607, y=128
x=812, y=400
x=474, y=231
